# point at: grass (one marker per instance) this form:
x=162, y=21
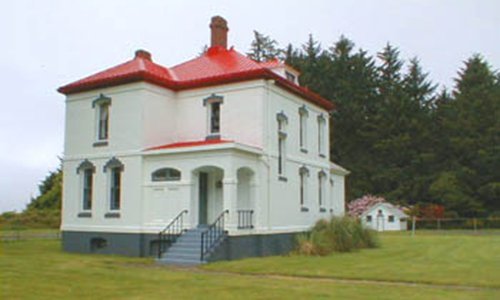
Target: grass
x=426, y=258
x=37, y=269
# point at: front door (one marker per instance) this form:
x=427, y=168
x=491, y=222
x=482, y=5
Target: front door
x=203, y=196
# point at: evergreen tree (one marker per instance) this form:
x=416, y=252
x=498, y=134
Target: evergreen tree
x=263, y=48
x=50, y=193
x=472, y=128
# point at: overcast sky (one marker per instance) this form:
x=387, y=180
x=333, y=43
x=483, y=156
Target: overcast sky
x=45, y=44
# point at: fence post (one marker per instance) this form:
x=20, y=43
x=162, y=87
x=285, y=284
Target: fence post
x=474, y=221
x=413, y=226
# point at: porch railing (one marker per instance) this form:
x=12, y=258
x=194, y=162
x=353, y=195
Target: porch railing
x=213, y=235
x=169, y=234
x=245, y=219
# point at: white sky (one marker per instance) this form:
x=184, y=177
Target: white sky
x=45, y=44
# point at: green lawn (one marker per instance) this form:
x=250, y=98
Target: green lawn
x=37, y=269
x=426, y=258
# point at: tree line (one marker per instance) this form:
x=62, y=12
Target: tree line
x=399, y=135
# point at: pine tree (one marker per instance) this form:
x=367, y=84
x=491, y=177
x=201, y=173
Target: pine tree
x=263, y=48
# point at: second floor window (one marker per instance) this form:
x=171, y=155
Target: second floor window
x=282, y=120
x=102, y=106
x=321, y=135
x=303, y=115
x=215, y=117
x=213, y=104
x=103, y=126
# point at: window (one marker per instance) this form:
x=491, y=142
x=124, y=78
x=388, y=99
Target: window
x=321, y=188
x=391, y=219
x=290, y=76
x=166, y=174
x=368, y=219
x=115, y=189
x=213, y=103
x=282, y=121
x=304, y=174
x=103, y=122
x=115, y=178
x=86, y=169
x=102, y=105
x=215, y=117
x=321, y=135
x=87, y=189
x=303, y=115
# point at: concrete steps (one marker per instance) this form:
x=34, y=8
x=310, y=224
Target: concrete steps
x=186, y=250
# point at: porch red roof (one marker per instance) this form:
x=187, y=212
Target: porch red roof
x=190, y=144
x=216, y=66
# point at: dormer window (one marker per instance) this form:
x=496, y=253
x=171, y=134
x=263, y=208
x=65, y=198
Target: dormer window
x=213, y=104
x=102, y=105
x=290, y=76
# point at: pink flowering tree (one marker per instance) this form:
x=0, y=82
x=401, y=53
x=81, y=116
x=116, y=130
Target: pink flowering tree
x=358, y=206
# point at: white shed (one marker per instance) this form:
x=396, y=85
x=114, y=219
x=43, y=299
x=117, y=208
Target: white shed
x=384, y=217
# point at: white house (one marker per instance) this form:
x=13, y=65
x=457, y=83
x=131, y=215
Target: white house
x=384, y=217
x=225, y=156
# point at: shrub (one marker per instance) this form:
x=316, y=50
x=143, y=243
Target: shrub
x=339, y=234
x=31, y=219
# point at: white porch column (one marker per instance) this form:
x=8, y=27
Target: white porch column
x=230, y=190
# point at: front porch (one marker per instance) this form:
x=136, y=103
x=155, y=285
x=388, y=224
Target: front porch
x=215, y=190
x=209, y=182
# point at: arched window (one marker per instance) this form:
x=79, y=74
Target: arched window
x=166, y=174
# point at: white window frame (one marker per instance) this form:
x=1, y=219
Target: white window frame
x=321, y=135
x=322, y=190
x=82, y=170
x=303, y=118
x=112, y=166
x=282, y=122
x=210, y=102
x=303, y=188
x=99, y=104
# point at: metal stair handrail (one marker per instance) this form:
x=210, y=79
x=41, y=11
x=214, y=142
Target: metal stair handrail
x=214, y=233
x=169, y=234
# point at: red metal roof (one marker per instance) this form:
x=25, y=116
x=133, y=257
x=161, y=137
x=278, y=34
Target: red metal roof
x=190, y=144
x=216, y=66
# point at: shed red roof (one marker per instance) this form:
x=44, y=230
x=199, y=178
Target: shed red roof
x=216, y=66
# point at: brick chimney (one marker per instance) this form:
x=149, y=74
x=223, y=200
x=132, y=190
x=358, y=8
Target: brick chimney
x=143, y=54
x=218, y=28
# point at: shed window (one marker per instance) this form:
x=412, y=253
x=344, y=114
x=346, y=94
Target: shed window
x=391, y=219
x=166, y=174
x=368, y=219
